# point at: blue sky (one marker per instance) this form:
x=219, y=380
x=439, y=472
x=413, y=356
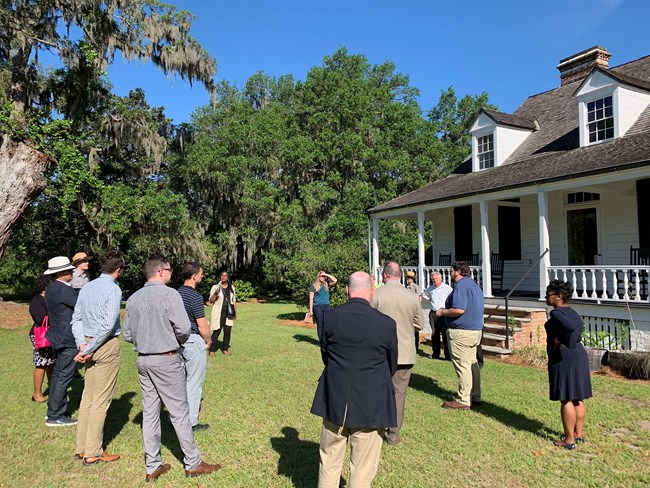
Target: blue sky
x=508, y=48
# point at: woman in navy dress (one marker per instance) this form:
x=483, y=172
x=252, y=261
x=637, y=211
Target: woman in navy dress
x=568, y=365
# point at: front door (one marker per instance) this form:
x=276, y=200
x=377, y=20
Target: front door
x=582, y=236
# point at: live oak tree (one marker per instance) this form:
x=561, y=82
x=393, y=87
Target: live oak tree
x=282, y=171
x=66, y=116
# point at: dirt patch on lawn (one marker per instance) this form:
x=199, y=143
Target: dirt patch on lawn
x=14, y=315
x=300, y=324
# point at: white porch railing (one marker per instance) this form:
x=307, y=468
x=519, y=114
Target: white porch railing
x=629, y=283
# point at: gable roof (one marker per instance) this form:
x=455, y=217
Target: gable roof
x=551, y=153
x=622, y=78
x=511, y=120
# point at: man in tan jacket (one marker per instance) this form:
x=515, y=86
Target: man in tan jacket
x=403, y=306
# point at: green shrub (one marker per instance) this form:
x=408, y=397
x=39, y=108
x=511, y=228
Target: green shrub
x=244, y=290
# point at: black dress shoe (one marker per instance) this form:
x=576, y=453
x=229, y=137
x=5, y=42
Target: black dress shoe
x=200, y=427
x=157, y=473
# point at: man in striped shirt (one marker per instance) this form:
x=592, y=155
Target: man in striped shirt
x=95, y=326
x=194, y=350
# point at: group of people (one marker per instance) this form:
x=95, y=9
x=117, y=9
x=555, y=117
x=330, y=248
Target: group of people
x=168, y=330
x=366, y=345
x=368, y=352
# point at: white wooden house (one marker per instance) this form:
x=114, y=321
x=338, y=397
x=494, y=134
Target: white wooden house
x=568, y=171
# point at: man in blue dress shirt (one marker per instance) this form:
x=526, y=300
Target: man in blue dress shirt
x=96, y=325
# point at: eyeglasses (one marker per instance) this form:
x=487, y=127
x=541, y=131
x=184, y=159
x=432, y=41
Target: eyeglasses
x=166, y=269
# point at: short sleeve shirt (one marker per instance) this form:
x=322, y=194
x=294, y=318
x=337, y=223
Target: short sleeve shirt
x=193, y=302
x=468, y=296
x=322, y=296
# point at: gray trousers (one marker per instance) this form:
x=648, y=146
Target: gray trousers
x=162, y=379
x=401, y=380
x=196, y=360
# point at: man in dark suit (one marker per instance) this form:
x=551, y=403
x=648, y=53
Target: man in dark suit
x=60, y=299
x=355, y=394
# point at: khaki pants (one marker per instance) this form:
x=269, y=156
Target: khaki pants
x=365, y=451
x=400, y=380
x=462, y=346
x=99, y=385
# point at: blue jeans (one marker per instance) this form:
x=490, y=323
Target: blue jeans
x=319, y=314
x=64, y=368
x=195, y=357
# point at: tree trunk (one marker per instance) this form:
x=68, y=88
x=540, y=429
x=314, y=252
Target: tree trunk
x=22, y=179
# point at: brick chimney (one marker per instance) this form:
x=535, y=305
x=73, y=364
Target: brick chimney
x=579, y=65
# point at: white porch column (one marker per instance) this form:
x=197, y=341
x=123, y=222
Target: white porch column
x=485, y=250
x=375, y=245
x=544, y=242
x=369, y=248
x=434, y=260
x=421, y=248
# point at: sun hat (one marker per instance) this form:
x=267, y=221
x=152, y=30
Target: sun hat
x=410, y=274
x=59, y=263
x=79, y=257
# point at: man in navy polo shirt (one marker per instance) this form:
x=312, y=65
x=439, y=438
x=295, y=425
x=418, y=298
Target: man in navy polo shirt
x=464, y=313
x=194, y=350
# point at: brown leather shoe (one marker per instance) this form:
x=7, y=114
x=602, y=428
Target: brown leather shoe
x=455, y=405
x=157, y=473
x=203, y=468
x=104, y=456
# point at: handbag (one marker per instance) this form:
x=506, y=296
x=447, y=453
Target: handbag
x=39, y=334
x=231, y=311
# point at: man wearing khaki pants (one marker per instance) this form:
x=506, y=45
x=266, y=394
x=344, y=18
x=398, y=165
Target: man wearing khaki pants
x=354, y=396
x=464, y=312
x=96, y=325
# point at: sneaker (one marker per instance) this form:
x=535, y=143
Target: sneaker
x=61, y=422
x=200, y=427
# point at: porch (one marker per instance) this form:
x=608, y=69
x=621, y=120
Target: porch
x=598, y=284
x=593, y=225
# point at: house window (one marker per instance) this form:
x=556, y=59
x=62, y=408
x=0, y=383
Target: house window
x=485, y=151
x=581, y=197
x=600, y=119
x=509, y=232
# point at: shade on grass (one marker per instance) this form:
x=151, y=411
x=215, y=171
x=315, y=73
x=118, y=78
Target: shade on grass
x=257, y=402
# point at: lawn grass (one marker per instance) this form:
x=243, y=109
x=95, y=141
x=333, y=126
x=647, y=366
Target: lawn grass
x=257, y=402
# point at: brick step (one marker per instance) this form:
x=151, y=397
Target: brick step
x=494, y=337
x=500, y=328
x=502, y=318
x=495, y=351
x=514, y=310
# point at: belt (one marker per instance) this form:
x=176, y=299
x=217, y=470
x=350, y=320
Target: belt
x=168, y=353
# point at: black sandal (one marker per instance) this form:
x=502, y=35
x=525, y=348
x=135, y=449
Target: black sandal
x=564, y=445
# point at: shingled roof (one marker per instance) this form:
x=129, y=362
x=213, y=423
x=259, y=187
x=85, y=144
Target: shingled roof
x=511, y=120
x=551, y=153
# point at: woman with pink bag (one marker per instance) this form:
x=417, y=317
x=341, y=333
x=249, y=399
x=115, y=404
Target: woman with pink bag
x=44, y=357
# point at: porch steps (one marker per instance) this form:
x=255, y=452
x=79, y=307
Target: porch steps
x=528, y=328
x=494, y=351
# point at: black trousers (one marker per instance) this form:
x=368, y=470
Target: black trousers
x=438, y=328
x=227, y=329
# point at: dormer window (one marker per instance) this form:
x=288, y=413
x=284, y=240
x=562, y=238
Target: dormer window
x=609, y=103
x=600, y=118
x=495, y=136
x=485, y=151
